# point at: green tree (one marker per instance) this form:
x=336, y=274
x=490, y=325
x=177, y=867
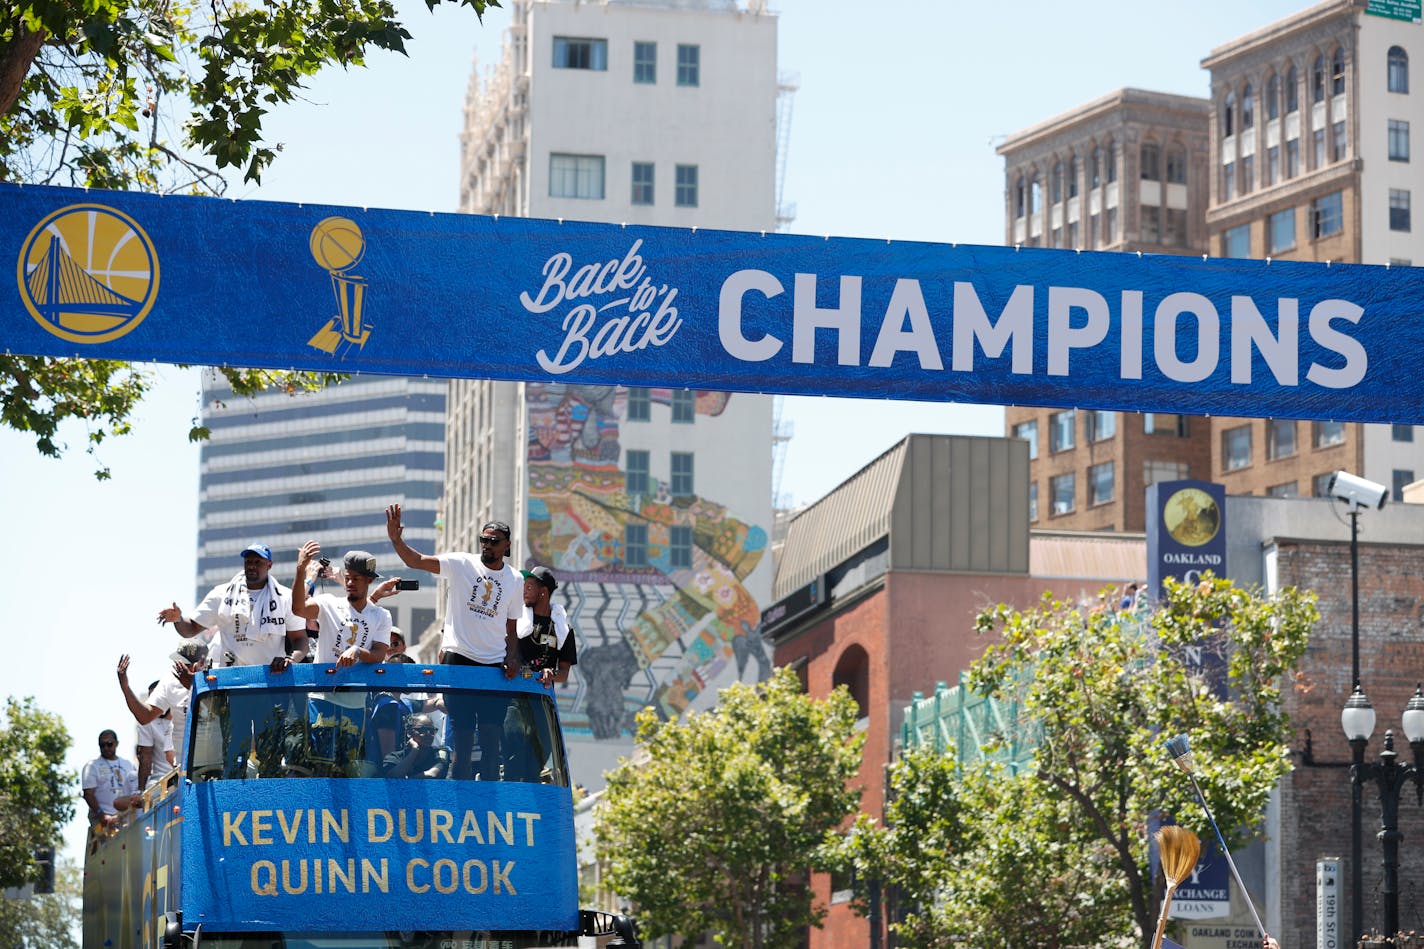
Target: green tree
x=714, y=827
x=45, y=922
x=36, y=792
x=1057, y=854
x=155, y=95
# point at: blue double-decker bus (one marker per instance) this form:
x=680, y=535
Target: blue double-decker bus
x=321, y=831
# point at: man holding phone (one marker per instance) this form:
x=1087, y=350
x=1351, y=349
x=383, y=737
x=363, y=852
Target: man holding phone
x=481, y=614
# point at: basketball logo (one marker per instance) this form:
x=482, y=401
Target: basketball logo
x=88, y=273
x=337, y=244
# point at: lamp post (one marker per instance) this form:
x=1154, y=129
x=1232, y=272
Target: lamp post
x=1356, y=492
x=1357, y=719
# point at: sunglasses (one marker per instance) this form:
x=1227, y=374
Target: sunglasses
x=108, y=744
x=422, y=731
x=490, y=540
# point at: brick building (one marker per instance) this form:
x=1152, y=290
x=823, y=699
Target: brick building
x=879, y=582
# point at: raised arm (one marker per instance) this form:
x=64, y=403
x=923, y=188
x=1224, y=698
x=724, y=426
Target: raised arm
x=301, y=606
x=143, y=713
x=183, y=626
x=409, y=555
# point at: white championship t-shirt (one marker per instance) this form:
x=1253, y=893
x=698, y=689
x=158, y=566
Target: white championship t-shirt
x=110, y=779
x=342, y=626
x=158, y=735
x=171, y=696
x=481, y=602
x=251, y=626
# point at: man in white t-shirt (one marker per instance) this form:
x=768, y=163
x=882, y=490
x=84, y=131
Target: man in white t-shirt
x=170, y=695
x=485, y=601
x=252, y=624
x=153, y=746
x=351, y=629
x=110, y=783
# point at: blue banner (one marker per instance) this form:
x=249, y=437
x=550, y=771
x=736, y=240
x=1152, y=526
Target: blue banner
x=201, y=280
x=365, y=853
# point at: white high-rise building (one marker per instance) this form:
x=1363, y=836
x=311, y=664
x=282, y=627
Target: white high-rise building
x=282, y=470
x=653, y=506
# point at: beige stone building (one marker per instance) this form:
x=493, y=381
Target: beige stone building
x=1303, y=152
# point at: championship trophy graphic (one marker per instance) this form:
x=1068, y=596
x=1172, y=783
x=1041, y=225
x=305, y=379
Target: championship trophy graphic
x=337, y=246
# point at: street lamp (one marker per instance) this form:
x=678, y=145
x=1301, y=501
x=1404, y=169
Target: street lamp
x=1356, y=493
x=1357, y=719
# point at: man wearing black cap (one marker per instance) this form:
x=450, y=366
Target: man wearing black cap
x=481, y=613
x=170, y=695
x=352, y=628
x=546, y=643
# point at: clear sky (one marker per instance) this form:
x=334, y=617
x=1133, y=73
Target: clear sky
x=901, y=103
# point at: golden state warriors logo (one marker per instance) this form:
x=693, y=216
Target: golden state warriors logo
x=88, y=273
x=337, y=245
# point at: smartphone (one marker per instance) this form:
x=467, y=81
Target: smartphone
x=407, y=584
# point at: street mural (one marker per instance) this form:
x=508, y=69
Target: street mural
x=657, y=627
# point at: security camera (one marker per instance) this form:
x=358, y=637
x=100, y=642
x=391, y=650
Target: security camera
x=1356, y=492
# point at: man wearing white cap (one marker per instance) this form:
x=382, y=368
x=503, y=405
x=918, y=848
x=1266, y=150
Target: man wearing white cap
x=253, y=625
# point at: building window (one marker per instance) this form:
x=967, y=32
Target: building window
x=1281, y=228
x=1327, y=215
x=580, y=53
x=1398, y=140
x=1287, y=490
x=1060, y=430
x=1317, y=80
x=1177, y=166
x=689, y=64
x=1236, y=448
x=1100, y=483
x=1092, y=235
x=685, y=191
x=1401, y=433
x=575, y=176
x=1280, y=438
x=1317, y=143
x=645, y=62
x=636, y=481
x=1151, y=161
x=1320, y=485
x=1055, y=184
x=1292, y=91
x=1176, y=227
x=1248, y=172
x=1101, y=425
x=1398, y=209
x=1248, y=107
x=1328, y=434
x=642, y=182
x=1155, y=471
x=1236, y=241
x=1272, y=171
x=1033, y=500
x=1020, y=199
x=681, y=485
x=1151, y=223
x=1337, y=141
x=1293, y=158
x=1401, y=478
x=635, y=545
x=684, y=406
x=1228, y=115
x=1035, y=197
x=1337, y=72
x=1062, y=488
x=1028, y=431
x=1273, y=97
x=1160, y=424
x=1073, y=177
x=1228, y=181
x=639, y=405
x=1095, y=168
x=1110, y=226
x=1397, y=69
x=680, y=546
x=1110, y=162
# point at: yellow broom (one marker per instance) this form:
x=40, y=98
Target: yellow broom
x=1179, y=850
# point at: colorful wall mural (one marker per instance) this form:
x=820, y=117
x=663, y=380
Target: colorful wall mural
x=661, y=615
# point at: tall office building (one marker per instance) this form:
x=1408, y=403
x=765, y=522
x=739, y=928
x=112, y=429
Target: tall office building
x=1126, y=172
x=1311, y=160
x=283, y=469
x=653, y=506
x=1303, y=152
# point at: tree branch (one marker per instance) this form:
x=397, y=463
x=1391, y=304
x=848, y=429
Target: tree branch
x=15, y=62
